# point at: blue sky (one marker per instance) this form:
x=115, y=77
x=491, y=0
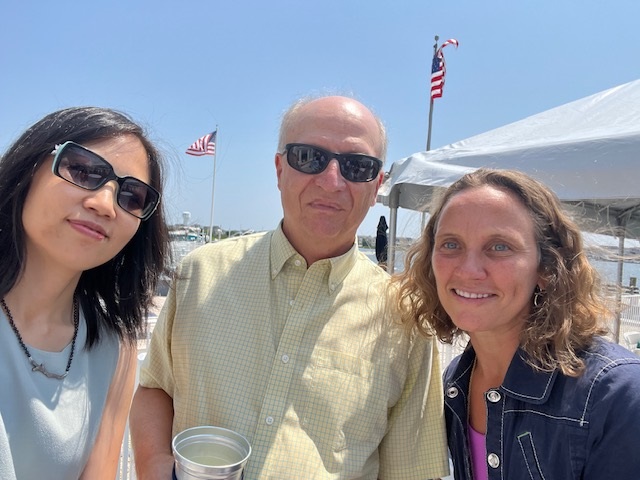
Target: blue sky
x=183, y=67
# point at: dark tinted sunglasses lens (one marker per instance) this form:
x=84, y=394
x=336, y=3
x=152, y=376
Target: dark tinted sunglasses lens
x=307, y=159
x=137, y=197
x=82, y=168
x=358, y=168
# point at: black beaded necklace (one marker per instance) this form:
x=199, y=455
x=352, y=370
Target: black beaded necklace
x=39, y=367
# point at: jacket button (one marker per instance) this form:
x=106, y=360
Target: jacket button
x=452, y=392
x=493, y=396
x=493, y=460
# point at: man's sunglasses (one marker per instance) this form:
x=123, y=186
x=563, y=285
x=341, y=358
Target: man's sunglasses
x=85, y=169
x=354, y=167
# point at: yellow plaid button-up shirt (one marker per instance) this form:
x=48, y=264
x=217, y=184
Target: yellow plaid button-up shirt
x=304, y=362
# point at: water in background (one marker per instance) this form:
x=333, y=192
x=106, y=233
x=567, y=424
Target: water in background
x=609, y=271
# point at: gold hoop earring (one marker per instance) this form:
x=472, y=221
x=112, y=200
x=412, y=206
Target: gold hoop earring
x=537, y=296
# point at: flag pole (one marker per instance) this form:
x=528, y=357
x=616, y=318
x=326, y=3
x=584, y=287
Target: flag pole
x=423, y=217
x=213, y=184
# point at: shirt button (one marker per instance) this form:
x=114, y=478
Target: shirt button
x=452, y=392
x=291, y=302
x=285, y=358
x=269, y=420
x=493, y=396
x=297, y=263
x=493, y=460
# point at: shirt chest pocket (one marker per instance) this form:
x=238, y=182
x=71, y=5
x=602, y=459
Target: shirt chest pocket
x=345, y=401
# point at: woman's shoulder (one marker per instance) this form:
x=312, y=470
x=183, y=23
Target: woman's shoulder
x=605, y=352
x=610, y=383
x=607, y=362
x=104, y=353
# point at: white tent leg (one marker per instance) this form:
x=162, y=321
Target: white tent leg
x=393, y=224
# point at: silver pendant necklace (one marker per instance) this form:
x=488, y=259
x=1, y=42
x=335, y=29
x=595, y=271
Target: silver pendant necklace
x=39, y=367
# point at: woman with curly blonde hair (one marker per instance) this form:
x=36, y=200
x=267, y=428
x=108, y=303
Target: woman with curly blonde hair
x=538, y=392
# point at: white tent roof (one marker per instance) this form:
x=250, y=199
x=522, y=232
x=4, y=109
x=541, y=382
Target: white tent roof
x=413, y=180
x=587, y=151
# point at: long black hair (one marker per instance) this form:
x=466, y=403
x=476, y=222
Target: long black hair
x=116, y=296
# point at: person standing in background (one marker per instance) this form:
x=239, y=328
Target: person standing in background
x=382, y=242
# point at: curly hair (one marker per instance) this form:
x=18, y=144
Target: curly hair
x=571, y=314
x=116, y=295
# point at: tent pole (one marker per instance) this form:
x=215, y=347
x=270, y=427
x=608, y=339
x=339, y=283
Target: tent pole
x=621, y=223
x=618, y=308
x=394, y=199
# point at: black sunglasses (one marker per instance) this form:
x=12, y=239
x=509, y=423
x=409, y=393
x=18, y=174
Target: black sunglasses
x=85, y=169
x=354, y=167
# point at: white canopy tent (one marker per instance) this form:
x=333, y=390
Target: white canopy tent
x=586, y=151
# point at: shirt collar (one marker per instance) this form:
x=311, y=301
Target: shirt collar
x=281, y=251
x=339, y=267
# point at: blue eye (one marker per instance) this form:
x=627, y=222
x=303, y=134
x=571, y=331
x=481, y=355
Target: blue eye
x=450, y=245
x=501, y=247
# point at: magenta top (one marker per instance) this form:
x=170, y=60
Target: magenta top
x=478, y=444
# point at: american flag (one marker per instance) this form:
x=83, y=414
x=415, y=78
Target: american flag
x=205, y=145
x=438, y=69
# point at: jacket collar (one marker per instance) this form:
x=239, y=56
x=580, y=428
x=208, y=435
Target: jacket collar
x=527, y=384
x=521, y=382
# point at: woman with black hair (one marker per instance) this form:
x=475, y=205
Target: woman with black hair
x=83, y=243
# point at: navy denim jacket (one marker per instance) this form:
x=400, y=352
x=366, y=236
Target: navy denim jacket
x=550, y=426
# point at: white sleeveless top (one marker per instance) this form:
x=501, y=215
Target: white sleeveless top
x=48, y=426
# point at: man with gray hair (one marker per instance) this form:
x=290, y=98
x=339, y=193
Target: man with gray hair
x=287, y=337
